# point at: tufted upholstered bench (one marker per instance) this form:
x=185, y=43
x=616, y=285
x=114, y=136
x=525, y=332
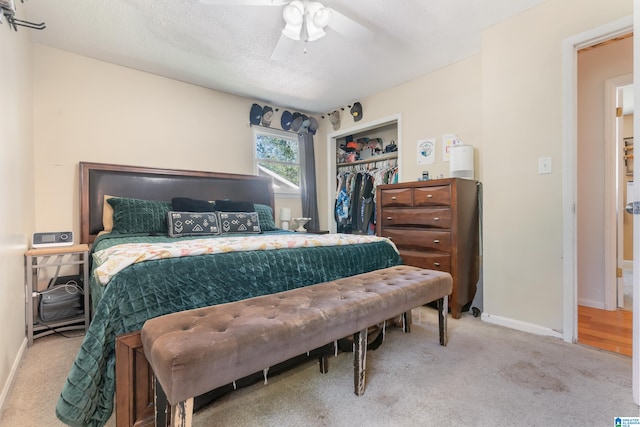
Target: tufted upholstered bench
x=195, y=351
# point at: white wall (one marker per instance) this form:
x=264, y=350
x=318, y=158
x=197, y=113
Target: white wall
x=16, y=191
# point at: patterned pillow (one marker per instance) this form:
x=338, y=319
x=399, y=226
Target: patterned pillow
x=265, y=216
x=239, y=222
x=192, y=223
x=139, y=216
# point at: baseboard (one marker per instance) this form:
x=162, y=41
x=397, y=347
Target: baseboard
x=520, y=326
x=592, y=304
x=627, y=264
x=12, y=376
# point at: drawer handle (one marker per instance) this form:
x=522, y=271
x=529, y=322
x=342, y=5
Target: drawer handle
x=429, y=196
x=437, y=264
x=437, y=218
x=436, y=241
x=389, y=218
x=394, y=198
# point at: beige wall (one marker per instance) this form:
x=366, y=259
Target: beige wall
x=88, y=110
x=16, y=191
x=595, y=67
x=443, y=102
x=522, y=121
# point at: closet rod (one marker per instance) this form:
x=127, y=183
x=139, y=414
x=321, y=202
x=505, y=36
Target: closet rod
x=380, y=164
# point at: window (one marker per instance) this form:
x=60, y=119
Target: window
x=277, y=155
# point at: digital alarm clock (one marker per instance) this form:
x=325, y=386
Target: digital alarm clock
x=52, y=239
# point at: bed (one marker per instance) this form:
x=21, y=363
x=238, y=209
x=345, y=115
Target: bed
x=156, y=285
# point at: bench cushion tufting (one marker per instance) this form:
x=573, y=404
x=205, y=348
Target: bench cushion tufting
x=195, y=351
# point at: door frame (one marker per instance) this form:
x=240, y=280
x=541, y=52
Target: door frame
x=612, y=200
x=570, y=47
x=332, y=138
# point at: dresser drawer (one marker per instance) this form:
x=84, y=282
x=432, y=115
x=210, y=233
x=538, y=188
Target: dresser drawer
x=414, y=238
x=430, y=196
x=430, y=260
x=400, y=197
x=431, y=217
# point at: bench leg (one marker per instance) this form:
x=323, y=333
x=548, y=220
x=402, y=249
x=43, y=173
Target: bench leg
x=182, y=413
x=442, y=319
x=324, y=364
x=359, y=360
x=406, y=321
x=160, y=403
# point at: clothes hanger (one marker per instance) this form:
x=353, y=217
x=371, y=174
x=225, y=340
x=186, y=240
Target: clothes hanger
x=18, y=22
x=9, y=11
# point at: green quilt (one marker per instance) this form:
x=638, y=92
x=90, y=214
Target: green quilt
x=154, y=288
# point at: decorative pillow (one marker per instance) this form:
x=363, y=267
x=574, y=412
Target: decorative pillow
x=239, y=222
x=265, y=216
x=192, y=223
x=107, y=214
x=186, y=204
x=139, y=216
x=234, y=206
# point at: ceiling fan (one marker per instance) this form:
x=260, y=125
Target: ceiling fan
x=305, y=20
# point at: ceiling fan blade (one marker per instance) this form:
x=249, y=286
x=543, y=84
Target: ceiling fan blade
x=245, y=2
x=350, y=28
x=282, y=49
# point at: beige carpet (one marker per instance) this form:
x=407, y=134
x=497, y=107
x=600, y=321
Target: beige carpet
x=486, y=376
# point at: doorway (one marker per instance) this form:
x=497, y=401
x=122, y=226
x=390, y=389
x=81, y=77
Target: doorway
x=603, y=70
x=570, y=147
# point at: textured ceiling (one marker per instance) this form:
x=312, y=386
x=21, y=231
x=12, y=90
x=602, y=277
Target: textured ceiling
x=228, y=48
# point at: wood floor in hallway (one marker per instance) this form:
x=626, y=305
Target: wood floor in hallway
x=605, y=329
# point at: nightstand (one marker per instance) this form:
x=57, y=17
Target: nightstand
x=39, y=261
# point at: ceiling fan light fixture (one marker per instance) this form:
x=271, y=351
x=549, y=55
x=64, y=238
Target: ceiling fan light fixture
x=314, y=33
x=320, y=15
x=316, y=18
x=293, y=15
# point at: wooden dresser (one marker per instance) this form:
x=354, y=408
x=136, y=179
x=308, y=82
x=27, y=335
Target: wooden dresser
x=435, y=225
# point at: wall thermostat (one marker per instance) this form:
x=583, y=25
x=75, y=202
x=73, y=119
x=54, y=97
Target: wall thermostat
x=52, y=239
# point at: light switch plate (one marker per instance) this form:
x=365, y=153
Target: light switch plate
x=544, y=165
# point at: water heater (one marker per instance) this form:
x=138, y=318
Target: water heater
x=461, y=161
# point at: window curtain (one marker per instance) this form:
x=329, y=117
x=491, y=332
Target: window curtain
x=308, y=191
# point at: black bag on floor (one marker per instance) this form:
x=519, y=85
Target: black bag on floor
x=61, y=302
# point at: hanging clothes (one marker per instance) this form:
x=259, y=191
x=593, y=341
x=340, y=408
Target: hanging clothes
x=356, y=202
x=355, y=209
x=342, y=205
x=367, y=209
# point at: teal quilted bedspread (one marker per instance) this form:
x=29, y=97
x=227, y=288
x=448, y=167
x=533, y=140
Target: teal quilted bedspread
x=154, y=288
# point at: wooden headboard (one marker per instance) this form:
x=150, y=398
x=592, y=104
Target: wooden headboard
x=100, y=179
